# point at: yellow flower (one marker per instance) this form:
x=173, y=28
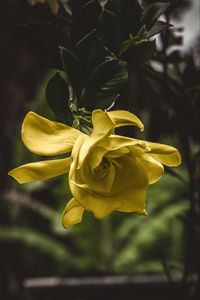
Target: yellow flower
x=52, y=3
x=107, y=172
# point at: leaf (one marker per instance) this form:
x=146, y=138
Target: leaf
x=109, y=28
x=134, y=40
x=128, y=13
x=153, y=12
x=158, y=27
x=141, y=52
x=145, y=51
x=57, y=95
x=90, y=52
x=71, y=68
x=176, y=175
x=152, y=233
x=77, y=5
x=104, y=83
x=35, y=240
x=85, y=20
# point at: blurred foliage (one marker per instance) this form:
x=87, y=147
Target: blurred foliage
x=99, y=54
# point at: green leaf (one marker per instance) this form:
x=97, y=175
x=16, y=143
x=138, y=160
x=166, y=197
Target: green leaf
x=71, y=68
x=145, y=51
x=153, y=12
x=57, y=95
x=158, y=27
x=140, y=37
x=35, y=240
x=128, y=13
x=141, y=52
x=175, y=174
x=85, y=20
x=151, y=233
x=109, y=29
x=90, y=52
x=104, y=84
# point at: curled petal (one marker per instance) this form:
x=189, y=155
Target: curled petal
x=125, y=118
x=115, y=142
x=130, y=173
x=45, y=137
x=72, y=213
x=102, y=123
x=165, y=154
x=41, y=170
x=95, y=158
x=100, y=206
x=154, y=168
x=102, y=128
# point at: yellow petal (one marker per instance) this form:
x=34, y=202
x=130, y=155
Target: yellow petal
x=133, y=200
x=102, y=124
x=52, y=3
x=165, y=154
x=102, y=128
x=153, y=167
x=41, y=170
x=125, y=118
x=45, y=137
x=95, y=157
x=115, y=142
x=129, y=173
x=72, y=213
x=102, y=198
x=54, y=6
x=99, y=205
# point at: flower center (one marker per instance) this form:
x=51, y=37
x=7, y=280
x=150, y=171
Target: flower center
x=102, y=169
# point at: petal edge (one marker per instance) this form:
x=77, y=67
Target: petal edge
x=41, y=170
x=44, y=137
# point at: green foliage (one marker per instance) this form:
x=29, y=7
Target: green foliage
x=90, y=52
x=103, y=39
x=85, y=18
x=158, y=27
x=109, y=27
x=140, y=37
x=103, y=84
x=138, y=47
x=37, y=240
x=153, y=237
x=71, y=68
x=153, y=12
x=57, y=94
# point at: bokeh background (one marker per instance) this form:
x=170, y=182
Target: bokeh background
x=32, y=241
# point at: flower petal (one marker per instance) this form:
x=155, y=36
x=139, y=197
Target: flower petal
x=102, y=124
x=41, y=170
x=102, y=128
x=130, y=172
x=72, y=213
x=165, y=154
x=125, y=118
x=133, y=200
x=54, y=6
x=45, y=137
x=154, y=169
x=100, y=206
x=115, y=142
